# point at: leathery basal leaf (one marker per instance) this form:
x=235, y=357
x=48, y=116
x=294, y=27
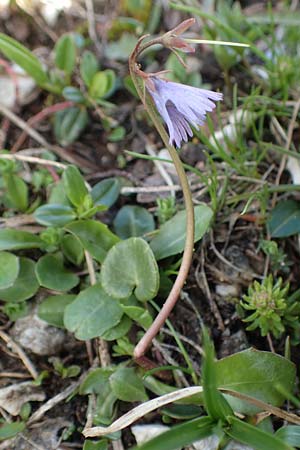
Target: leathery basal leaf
x=130, y=267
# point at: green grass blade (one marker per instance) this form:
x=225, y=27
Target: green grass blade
x=19, y=54
x=181, y=435
x=254, y=437
x=215, y=404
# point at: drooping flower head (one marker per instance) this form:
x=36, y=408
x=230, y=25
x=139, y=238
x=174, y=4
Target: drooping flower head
x=181, y=106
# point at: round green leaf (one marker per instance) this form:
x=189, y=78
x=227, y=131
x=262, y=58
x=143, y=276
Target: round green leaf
x=52, y=274
x=289, y=434
x=65, y=53
x=73, y=94
x=139, y=315
x=106, y=192
x=9, y=269
x=117, y=134
x=17, y=191
x=102, y=84
x=72, y=249
x=88, y=67
x=94, y=236
x=9, y=430
x=25, y=286
x=69, y=123
x=285, y=219
x=74, y=185
x=92, y=313
x=119, y=330
x=133, y=221
x=52, y=309
x=95, y=381
x=257, y=374
x=18, y=240
x=170, y=239
x=130, y=267
x=95, y=445
x=54, y=215
x=127, y=386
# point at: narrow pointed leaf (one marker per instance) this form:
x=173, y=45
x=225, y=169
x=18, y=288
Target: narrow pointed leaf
x=181, y=435
x=215, y=404
x=19, y=54
x=170, y=238
x=254, y=437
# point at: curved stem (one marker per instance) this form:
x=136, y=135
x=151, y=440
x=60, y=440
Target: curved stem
x=170, y=302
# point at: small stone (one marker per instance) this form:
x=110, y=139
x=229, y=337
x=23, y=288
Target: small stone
x=233, y=343
x=233, y=445
x=36, y=335
x=144, y=433
x=8, y=94
x=44, y=436
x=13, y=397
x=227, y=290
x=210, y=443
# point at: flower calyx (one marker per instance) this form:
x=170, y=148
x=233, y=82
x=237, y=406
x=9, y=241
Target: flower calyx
x=173, y=41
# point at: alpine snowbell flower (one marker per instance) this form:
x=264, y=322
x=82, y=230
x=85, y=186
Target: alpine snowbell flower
x=181, y=106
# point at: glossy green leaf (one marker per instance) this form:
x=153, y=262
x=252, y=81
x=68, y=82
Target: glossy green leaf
x=52, y=309
x=19, y=54
x=69, y=124
x=73, y=94
x=215, y=404
x=170, y=239
x=181, y=412
x=52, y=274
x=94, y=236
x=10, y=430
x=9, y=269
x=106, y=192
x=18, y=240
x=253, y=436
x=90, y=212
x=139, y=315
x=133, y=221
x=92, y=313
x=95, y=381
x=72, y=249
x=130, y=267
x=257, y=374
x=65, y=53
x=117, y=134
x=25, y=285
x=289, y=434
x=58, y=195
x=181, y=435
x=284, y=220
x=105, y=408
x=74, y=185
x=88, y=67
x=17, y=191
x=95, y=445
x=127, y=385
x=118, y=331
x=54, y=215
x=102, y=84
x=121, y=49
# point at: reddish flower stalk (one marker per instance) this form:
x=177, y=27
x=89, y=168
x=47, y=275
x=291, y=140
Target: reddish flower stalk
x=172, y=102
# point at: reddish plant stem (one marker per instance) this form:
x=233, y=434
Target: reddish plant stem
x=170, y=302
